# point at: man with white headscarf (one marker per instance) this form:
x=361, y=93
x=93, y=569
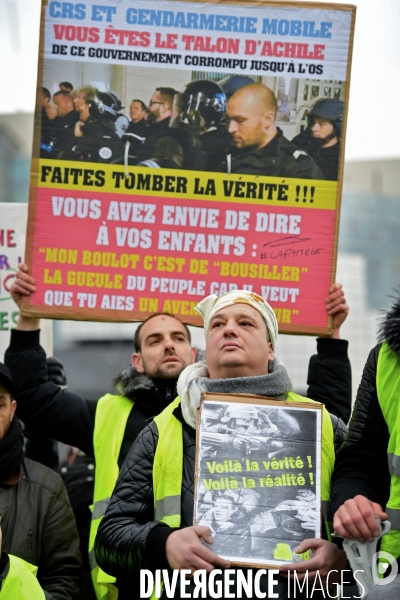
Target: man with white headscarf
x=146, y=526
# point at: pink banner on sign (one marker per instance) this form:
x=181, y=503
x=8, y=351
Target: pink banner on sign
x=111, y=253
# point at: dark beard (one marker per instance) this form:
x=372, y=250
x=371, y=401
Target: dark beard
x=160, y=374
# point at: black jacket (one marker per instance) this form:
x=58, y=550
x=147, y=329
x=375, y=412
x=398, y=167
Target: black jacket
x=327, y=159
x=99, y=143
x=135, y=134
x=38, y=526
x=279, y=158
x=361, y=466
x=64, y=134
x=172, y=147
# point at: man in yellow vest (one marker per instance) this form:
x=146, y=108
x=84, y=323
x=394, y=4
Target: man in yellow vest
x=148, y=523
x=367, y=472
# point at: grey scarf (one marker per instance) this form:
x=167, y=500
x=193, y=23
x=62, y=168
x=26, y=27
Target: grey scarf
x=195, y=379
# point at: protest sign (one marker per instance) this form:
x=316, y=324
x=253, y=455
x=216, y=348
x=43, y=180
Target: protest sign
x=235, y=182
x=258, y=476
x=13, y=219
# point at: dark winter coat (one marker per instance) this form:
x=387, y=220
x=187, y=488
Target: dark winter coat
x=38, y=526
x=361, y=465
x=327, y=158
x=279, y=158
x=98, y=143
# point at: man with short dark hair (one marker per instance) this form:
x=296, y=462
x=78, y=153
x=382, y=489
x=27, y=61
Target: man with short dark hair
x=160, y=105
x=260, y=146
x=64, y=123
x=66, y=86
x=38, y=524
x=136, y=131
x=175, y=141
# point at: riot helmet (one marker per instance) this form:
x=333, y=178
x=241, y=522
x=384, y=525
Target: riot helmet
x=328, y=109
x=233, y=83
x=108, y=104
x=200, y=105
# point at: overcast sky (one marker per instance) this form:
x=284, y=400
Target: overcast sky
x=374, y=111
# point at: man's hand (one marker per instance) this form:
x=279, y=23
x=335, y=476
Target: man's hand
x=337, y=306
x=24, y=285
x=78, y=129
x=326, y=557
x=355, y=519
x=184, y=550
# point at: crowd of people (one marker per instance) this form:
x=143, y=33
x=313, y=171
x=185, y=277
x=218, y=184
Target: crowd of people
x=143, y=441
x=227, y=127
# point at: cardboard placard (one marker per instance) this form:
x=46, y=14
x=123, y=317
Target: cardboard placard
x=13, y=219
x=235, y=184
x=258, y=476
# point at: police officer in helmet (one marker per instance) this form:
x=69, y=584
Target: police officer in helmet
x=322, y=137
x=201, y=107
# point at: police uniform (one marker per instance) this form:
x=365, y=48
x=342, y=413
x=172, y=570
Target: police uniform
x=136, y=134
x=64, y=137
x=327, y=158
x=214, y=143
x=99, y=142
x=278, y=158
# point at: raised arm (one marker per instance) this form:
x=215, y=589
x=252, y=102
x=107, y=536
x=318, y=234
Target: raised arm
x=42, y=405
x=329, y=373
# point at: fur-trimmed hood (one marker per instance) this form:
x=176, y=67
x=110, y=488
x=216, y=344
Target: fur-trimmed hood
x=129, y=381
x=151, y=395
x=389, y=329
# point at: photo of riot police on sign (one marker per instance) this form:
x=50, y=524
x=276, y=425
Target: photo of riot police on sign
x=321, y=139
x=257, y=125
x=258, y=479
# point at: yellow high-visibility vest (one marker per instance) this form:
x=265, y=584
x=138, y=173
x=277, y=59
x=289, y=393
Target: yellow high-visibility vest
x=20, y=582
x=168, y=464
x=112, y=414
x=388, y=390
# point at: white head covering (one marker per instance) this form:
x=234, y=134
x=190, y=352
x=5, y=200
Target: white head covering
x=212, y=304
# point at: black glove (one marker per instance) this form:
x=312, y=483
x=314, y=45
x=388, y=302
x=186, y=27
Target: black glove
x=55, y=371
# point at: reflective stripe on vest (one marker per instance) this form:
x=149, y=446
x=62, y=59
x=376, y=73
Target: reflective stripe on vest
x=111, y=416
x=168, y=463
x=168, y=467
x=20, y=582
x=388, y=390
x=327, y=454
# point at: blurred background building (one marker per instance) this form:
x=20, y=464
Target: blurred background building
x=368, y=267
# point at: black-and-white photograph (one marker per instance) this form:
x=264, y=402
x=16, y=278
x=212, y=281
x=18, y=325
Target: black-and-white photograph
x=258, y=478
